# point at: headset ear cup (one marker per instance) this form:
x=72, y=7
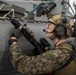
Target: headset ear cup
x=60, y=31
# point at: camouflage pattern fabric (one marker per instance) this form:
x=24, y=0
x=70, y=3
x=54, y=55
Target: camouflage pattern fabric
x=39, y=64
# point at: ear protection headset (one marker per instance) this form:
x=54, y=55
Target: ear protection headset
x=60, y=31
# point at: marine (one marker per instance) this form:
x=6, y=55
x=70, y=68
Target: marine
x=51, y=60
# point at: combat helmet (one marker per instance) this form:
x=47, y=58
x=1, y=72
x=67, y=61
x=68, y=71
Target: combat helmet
x=62, y=27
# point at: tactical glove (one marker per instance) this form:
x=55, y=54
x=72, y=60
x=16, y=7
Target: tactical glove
x=12, y=40
x=30, y=32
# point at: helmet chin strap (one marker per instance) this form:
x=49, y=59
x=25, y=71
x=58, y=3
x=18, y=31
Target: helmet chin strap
x=57, y=42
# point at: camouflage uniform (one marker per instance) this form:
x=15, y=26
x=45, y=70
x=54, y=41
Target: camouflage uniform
x=43, y=63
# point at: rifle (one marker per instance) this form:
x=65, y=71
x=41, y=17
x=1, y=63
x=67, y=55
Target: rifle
x=39, y=47
x=44, y=43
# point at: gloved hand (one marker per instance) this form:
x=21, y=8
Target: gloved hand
x=12, y=39
x=30, y=32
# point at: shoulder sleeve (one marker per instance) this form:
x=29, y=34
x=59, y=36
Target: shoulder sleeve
x=39, y=64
